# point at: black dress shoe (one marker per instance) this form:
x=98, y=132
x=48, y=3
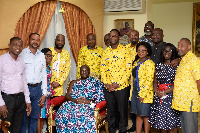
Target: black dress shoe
x=132, y=129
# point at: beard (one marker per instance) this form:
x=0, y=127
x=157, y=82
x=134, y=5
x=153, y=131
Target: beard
x=147, y=33
x=134, y=41
x=58, y=46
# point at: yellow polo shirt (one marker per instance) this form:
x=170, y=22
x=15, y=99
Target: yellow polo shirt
x=185, y=86
x=116, y=66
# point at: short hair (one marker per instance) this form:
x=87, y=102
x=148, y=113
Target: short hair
x=158, y=29
x=33, y=34
x=187, y=40
x=174, y=52
x=90, y=34
x=151, y=23
x=145, y=44
x=86, y=67
x=45, y=50
x=116, y=31
x=13, y=38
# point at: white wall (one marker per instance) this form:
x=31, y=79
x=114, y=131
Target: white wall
x=175, y=19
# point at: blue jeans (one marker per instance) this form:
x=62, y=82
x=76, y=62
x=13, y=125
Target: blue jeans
x=35, y=95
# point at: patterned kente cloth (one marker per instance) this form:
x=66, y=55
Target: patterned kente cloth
x=44, y=111
x=79, y=118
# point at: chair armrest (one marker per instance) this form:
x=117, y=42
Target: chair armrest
x=101, y=105
x=58, y=100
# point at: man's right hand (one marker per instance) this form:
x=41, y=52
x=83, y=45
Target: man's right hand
x=3, y=111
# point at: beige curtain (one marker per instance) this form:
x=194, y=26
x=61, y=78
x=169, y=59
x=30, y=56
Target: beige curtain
x=77, y=25
x=35, y=20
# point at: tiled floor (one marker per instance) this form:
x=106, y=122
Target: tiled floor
x=152, y=130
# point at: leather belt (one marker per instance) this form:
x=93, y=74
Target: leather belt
x=13, y=95
x=34, y=85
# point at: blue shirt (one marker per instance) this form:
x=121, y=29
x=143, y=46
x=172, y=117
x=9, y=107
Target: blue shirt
x=35, y=68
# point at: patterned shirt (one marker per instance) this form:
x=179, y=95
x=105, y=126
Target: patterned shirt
x=92, y=58
x=60, y=66
x=143, y=39
x=132, y=50
x=133, y=54
x=185, y=86
x=116, y=66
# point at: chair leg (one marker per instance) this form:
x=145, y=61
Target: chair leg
x=106, y=127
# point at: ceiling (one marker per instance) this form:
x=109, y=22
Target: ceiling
x=172, y=1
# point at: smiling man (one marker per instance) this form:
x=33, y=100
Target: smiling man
x=90, y=55
x=60, y=65
x=148, y=28
x=35, y=71
x=186, y=90
x=115, y=73
x=14, y=96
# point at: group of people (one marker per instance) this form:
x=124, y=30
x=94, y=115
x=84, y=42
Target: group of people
x=161, y=82
x=29, y=78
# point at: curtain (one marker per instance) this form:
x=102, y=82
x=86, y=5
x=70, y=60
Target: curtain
x=35, y=20
x=57, y=26
x=77, y=25
x=3, y=51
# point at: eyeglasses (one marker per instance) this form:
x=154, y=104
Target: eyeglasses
x=166, y=51
x=148, y=26
x=141, y=51
x=48, y=55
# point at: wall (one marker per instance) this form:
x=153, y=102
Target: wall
x=139, y=19
x=175, y=19
x=12, y=10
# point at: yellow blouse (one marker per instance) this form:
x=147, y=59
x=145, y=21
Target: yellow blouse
x=92, y=58
x=185, y=85
x=146, y=76
x=60, y=66
x=116, y=66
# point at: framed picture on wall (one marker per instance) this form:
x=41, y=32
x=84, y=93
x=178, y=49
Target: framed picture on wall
x=124, y=26
x=196, y=29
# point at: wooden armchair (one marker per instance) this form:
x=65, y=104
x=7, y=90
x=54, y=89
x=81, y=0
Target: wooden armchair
x=4, y=126
x=99, y=114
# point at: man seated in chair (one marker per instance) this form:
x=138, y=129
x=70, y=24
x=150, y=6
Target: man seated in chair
x=77, y=113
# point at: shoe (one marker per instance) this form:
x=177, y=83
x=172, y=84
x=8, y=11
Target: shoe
x=132, y=129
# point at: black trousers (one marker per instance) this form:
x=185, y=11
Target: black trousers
x=16, y=107
x=117, y=109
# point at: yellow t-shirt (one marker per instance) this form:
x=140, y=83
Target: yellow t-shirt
x=116, y=66
x=185, y=85
x=92, y=58
x=60, y=66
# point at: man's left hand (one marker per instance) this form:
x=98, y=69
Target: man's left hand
x=42, y=100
